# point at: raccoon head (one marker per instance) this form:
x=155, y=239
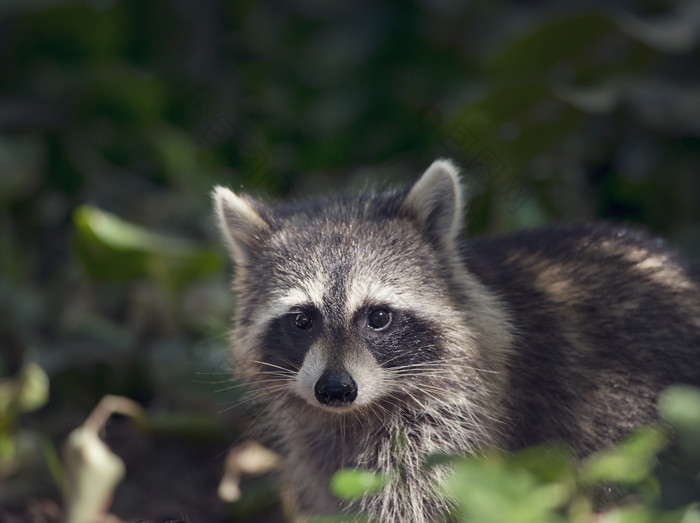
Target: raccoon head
x=340, y=302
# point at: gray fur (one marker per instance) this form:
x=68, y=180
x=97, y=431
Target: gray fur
x=562, y=334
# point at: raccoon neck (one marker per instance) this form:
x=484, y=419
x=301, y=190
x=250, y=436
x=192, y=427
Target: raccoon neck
x=395, y=445
x=462, y=422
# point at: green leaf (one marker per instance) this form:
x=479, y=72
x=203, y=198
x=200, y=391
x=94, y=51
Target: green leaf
x=494, y=489
x=350, y=484
x=630, y=514
x=679, y=405
x=34, y=388
x=549, y=463
x=115, y=250
x=630, y=462
x=26, y=392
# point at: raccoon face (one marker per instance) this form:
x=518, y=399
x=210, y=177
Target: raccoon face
x=340, y=300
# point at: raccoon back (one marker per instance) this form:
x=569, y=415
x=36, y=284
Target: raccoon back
x=605, y=318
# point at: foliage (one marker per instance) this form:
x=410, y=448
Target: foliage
x=118, y=116
x=113, y=249
x=351, y=484
x=546, y=485
x=26, y=392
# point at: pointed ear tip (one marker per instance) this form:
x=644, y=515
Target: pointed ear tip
x=219, y=192
x=223, y=198
x=445, y=172
x=446, y=165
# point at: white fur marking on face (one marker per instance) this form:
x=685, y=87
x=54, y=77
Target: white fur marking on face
x=363, y=291
x=359, y=363
x=282, y=303
x=311, y=370
x=306, y=290
x=296, y=296
x=314, y=289
x=369, y=376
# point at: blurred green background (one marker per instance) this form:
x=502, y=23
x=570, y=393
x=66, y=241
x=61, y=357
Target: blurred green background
x=118, y=116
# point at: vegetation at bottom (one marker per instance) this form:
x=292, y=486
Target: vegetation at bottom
x=653, y=476
x=117, y=117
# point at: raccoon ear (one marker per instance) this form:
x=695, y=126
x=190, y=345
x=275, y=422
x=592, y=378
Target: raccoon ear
x=436, y=199
x=240, y=223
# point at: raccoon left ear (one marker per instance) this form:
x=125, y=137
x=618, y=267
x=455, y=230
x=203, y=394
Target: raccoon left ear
x=436, y=199
x=241, y=223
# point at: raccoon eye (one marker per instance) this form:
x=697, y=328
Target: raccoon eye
x=379, y=319
x=303, y=320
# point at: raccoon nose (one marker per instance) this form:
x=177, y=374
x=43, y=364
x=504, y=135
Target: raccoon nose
x=336, y=389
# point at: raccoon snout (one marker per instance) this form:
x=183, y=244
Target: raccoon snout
x=335, y=389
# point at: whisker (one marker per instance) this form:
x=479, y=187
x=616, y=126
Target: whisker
x=276, y=374
x=215, y=382
x=439, y=364
x=256, y=396
x=260, y=382
x=280, y=357
x=259, y=362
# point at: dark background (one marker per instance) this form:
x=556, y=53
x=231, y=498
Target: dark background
x=117, y=118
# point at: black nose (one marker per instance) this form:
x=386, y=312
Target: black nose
x=336, y=389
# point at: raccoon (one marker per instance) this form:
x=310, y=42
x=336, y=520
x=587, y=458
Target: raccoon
x=373, y=336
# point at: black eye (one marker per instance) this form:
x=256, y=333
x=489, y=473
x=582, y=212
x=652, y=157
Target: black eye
x=303, y=320
x=379, y=318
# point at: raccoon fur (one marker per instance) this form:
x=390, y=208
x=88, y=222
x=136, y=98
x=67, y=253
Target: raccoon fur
x=372, y=336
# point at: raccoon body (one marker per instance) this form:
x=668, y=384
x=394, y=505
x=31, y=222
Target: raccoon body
x=373, y=336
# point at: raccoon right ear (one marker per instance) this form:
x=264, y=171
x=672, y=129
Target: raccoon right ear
x=436, y=200
x=240, y=223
